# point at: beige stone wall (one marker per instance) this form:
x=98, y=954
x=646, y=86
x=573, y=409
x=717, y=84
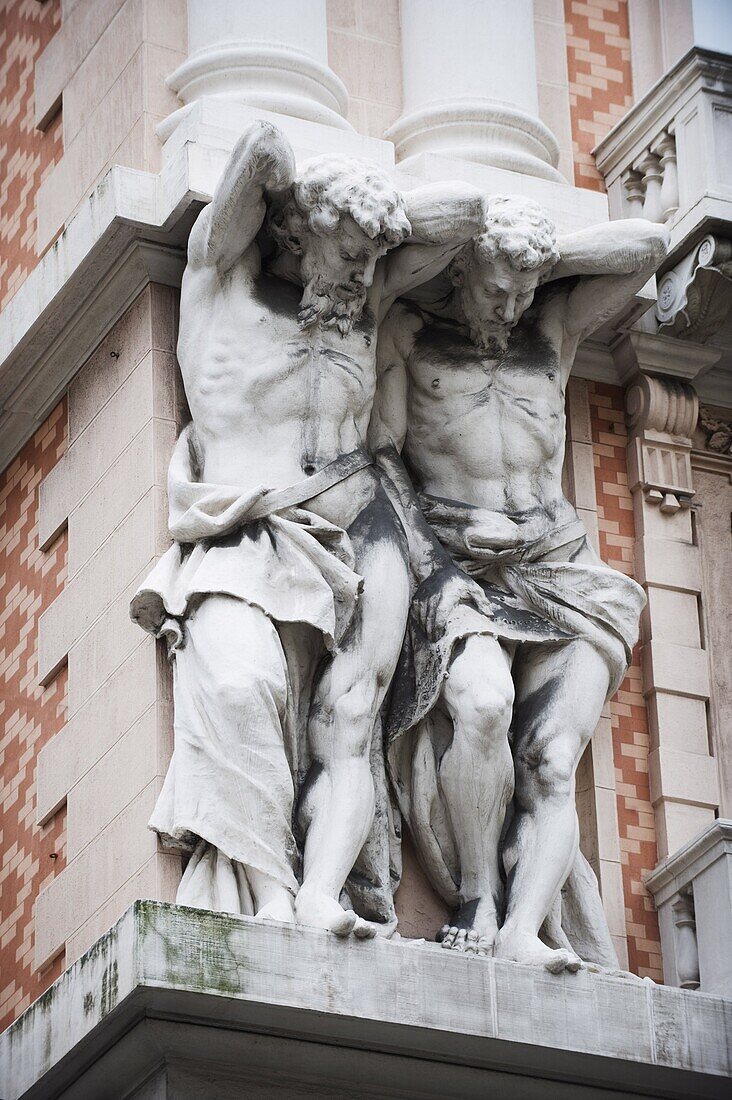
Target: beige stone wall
x=107, y=762
x=363, y=50
x=108, y=64
x=714, y=537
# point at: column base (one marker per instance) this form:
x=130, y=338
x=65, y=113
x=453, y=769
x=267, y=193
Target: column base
x=481, y=130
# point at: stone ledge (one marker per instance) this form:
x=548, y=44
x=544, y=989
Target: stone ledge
x=173, y=993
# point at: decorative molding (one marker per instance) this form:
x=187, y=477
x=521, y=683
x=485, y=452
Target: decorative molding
x=677, y=871
x=718, y=432
x=662, y=414
x=695, y=296
x=651, y=353
x=480, y=130
x=269, y=76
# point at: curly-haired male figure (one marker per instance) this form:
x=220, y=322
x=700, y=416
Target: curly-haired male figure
x=490, y=707
x=287, y=552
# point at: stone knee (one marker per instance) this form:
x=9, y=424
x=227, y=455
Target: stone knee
x=480, y=702
x=354, y=712
x=341, y=722
x=545, y=767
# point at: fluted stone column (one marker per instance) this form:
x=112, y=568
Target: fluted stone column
x=270, y=55
x=470, y=91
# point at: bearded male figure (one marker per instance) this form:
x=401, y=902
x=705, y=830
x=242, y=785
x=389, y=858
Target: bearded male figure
x=287, y=552
x=508, y=664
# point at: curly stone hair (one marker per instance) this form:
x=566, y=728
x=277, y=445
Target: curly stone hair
x=517, y=229
x=328, y=188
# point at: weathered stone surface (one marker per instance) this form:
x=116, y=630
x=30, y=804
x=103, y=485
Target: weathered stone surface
x=142, y=992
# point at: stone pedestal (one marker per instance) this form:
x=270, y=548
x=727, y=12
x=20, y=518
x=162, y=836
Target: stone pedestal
x=183, y=1003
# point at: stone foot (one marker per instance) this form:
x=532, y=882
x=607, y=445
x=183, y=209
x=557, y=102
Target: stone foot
x=522, y=947
x=280, y=908
x=318, y=910
x=472, y=929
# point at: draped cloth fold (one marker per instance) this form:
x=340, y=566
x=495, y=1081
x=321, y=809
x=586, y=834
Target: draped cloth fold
x=259, y=546
x=536, y=595
x=247, y=575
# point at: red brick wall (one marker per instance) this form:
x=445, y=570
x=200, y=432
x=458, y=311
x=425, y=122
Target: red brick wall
x=26, y=154
x=600, y=83
x=629, y=716
x=30, y=715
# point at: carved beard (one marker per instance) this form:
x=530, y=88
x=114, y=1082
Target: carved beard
x=488, y=337
x=334, y=305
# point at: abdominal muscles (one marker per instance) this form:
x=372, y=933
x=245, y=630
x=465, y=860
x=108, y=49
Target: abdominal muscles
x=496, y=449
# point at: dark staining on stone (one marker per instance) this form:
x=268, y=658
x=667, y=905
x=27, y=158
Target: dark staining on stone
x=529, y=349
x=530, y=713
x=444, y=345
x=88, y=1003
x=277, y=295
x=578, y=550
x=378, y=522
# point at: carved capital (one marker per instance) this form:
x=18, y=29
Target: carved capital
x=661, y=405
x=662, y=414
x=695, y=296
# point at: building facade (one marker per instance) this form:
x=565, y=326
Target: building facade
x=117, y=117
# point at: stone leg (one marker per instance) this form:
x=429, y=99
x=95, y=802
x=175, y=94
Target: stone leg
x=559, y=695
x=338, y=801
x=476, y=779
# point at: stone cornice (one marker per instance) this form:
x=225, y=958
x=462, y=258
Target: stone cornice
x=115, y=245
x=678, y=870
x=618, y=148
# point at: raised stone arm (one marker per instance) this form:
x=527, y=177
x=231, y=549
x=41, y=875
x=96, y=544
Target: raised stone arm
x=443, y=216
x=262, y=160
x=608, y=263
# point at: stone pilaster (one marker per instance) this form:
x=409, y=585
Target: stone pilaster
x=107, y=763
x=662, y=413
x=596, y=796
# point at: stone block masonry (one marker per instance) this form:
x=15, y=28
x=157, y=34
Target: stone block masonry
x=30, y=715
x=105, y=765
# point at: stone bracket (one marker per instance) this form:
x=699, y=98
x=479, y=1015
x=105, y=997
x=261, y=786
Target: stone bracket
x=695, y=296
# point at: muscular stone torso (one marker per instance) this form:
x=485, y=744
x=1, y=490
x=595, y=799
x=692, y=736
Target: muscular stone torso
x=272, y=403
x=490, y=432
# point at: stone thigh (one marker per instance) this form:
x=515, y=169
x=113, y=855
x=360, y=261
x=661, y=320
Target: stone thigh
x=560, y=692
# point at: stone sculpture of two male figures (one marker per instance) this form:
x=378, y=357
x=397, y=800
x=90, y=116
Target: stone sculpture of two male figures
x=374, y=570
